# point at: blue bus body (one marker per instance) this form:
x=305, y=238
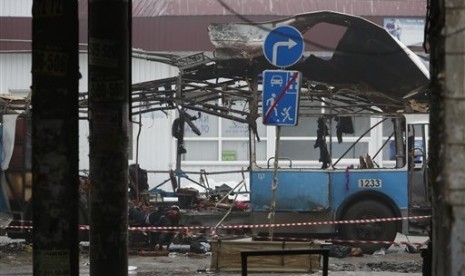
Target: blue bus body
x=393, y=186
x=313, y=190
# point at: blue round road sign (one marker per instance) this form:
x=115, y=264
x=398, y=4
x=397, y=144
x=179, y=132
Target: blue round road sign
x=283, y=46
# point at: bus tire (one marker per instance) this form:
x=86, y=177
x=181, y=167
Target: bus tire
x=372, y=231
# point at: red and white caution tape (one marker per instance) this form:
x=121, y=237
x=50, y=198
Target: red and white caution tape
x=314, y=223
x=214, y=234
x=253, y=226
x=24, y=227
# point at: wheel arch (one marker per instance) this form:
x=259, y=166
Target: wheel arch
x=369, y=195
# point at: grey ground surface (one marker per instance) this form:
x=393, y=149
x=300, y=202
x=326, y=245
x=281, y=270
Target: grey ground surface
x=16, y=259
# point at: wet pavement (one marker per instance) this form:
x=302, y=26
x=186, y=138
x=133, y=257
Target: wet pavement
x=16, y=259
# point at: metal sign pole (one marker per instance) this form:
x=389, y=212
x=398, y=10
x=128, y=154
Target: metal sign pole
x=282, y=47
x=274, y=185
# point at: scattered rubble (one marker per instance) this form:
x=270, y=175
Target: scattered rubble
x=342, y=251
x=14, y=255
x=9, y=245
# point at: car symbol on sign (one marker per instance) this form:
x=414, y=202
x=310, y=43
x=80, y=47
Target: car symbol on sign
x=276, y=80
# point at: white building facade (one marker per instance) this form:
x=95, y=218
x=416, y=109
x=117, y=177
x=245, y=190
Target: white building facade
x=223, y=145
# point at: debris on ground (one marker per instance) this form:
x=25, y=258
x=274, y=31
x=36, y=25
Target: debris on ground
x=409, y=248
x=342, y=251
x=186, y=241
x=381, y=251
x=9, y=245
x=407, y=267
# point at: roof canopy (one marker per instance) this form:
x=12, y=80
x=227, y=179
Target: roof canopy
x=368, y=70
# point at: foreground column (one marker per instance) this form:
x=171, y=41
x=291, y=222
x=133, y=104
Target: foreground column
x=109, y=84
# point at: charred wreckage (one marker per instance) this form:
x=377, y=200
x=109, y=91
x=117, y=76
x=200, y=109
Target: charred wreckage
x=366, y=71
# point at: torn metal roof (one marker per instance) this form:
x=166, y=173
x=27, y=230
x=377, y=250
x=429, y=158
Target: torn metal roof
x=366, y=52
x=367, y=70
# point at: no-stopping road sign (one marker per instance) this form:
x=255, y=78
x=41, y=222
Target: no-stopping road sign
x=281, y=90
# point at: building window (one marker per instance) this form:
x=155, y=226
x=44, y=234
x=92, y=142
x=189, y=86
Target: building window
x=221, y=140
x=201, y=150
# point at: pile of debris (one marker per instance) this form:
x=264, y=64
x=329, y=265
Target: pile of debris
x=220, y=197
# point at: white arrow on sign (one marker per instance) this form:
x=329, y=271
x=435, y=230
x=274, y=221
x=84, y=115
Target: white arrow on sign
x=290, y=43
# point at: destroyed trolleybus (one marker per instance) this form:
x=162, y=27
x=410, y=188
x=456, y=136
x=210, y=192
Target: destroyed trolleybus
x=350, y=167
x=359, y=148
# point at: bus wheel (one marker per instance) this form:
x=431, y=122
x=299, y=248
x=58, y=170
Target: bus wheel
x=371, y=231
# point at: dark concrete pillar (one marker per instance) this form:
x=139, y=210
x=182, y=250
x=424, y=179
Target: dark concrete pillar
x=55, y=79
x=440, y=236
x=109, y=59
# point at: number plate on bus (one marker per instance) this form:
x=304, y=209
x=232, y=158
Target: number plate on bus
x=370, y=183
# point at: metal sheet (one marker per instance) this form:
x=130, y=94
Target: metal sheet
x=302, y=191
x=365, y=54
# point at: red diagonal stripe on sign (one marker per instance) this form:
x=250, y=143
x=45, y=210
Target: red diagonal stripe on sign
x=294, y=77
